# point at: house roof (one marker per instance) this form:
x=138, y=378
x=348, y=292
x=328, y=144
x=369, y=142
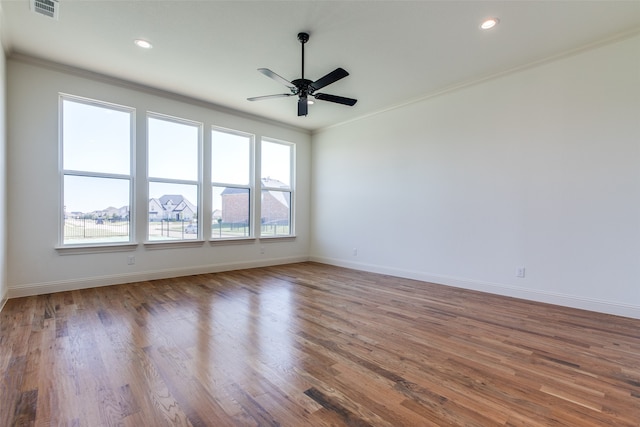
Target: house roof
x=233, y=190
x=265, y=182
x=272, y=183
x=175, y=199
x=179, y=202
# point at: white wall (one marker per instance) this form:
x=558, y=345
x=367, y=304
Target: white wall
x=34, y=266
x=539, y=168
x=3, y=168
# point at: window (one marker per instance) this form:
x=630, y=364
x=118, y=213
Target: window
x=277, y=195
x=97, y=169
x=231, y=177
x=174, y=178
x=96, y=145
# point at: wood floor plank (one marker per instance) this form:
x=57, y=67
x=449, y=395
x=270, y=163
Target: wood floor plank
x=311, y=344
x=10, y=389
x=25, y=412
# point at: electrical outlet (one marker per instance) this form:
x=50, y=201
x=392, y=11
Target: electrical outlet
x=520, y=272
x=262, y=250
x=355, y=251
x=131, y=260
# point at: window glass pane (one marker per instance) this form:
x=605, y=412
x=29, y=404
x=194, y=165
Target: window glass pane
x=276, y=163
x=96, y=210
x=230, y=158
x=173, y=211
x=276, y=213
x=95, y=139
x=173, y=150
x=230, y=216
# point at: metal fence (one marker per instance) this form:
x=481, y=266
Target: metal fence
x=173, y=230
x=222, y=230
x=84, y=230
x=77, y=230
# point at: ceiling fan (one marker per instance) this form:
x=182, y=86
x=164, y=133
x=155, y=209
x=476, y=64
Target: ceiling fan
x=304, y=88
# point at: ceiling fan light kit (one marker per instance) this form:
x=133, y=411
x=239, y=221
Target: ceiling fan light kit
x=304, y=88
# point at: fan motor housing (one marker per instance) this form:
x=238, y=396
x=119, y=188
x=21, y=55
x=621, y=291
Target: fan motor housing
x=303, y=85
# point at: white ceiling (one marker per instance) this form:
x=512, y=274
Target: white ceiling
x=395, y=51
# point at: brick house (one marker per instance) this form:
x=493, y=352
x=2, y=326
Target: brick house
x=275, y=204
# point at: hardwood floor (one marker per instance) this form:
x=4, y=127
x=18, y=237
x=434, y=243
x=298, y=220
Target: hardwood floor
x=310, y=344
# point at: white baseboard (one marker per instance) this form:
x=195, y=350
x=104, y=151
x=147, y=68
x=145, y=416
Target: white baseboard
x=118, y=279
x=2, y=303
x=608, y=307
x=626, y=310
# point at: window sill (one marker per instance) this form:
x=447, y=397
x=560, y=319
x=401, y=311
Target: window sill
x=173, y=244
x=129, y=247
x=95, y=249
x=232, y=241
x=277, y=238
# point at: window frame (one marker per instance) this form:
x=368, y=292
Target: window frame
x=139, y=128
x=290, y=189
x=198, y=182
x=249, y=186
x=62, y=172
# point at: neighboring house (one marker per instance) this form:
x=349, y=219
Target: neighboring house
x=235, y=205
x=111, y=213
x=123, y=212
x=171, y=207
x=274, y=204
x=156, y=211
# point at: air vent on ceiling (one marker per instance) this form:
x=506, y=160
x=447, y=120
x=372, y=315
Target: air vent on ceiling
x=46, y=7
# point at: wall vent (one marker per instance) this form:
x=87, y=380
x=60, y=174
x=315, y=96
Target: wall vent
x=48, y=8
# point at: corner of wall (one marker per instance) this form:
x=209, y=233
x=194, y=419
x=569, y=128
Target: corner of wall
x=3, y=169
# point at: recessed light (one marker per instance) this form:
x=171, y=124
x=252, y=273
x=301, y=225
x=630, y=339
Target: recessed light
x=489, y=23
x=143, y=44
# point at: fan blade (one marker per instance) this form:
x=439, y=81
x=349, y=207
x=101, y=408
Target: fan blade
x=332, y=77
x=303, y=106
x=267, y=72
x=260, y=98
x=334, y=98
